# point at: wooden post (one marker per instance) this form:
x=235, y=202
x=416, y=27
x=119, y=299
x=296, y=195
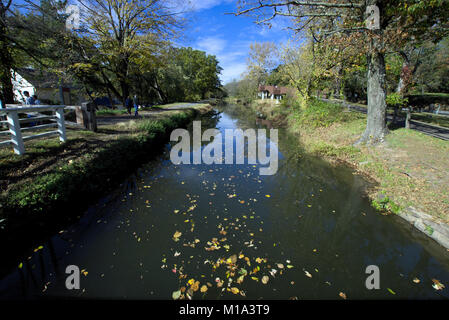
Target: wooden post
x=16, y=133
x=407, y=118
x=91, y=117
x=61, y=125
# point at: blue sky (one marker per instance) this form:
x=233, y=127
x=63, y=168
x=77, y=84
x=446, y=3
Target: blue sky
x=226, y=36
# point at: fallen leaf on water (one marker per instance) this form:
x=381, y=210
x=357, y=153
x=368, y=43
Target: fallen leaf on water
x=268, y=196
x=289, y=266
x=203, y=288
x=342, y=295
x=235, y=290
x=280, y=266
x=391, y=291
x=265, y=279
x=308, y=274
x=195, y=286
x=176, y=294
x=176, y=211
x=177, y=235
x=191, y=281
x=437, y=285
x=416, y=280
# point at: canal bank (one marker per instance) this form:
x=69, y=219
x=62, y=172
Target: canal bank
x=48, y=188
x=410, y=168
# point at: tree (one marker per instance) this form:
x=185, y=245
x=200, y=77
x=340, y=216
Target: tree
x=6, y=61
x=261, y=61
x=379, y=25
x=126, y=32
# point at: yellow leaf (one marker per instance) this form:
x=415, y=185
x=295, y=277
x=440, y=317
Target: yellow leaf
x=195, y=286
x=235, y=290
x=203, y=288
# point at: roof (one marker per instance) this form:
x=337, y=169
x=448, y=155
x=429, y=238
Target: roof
x=274, y=89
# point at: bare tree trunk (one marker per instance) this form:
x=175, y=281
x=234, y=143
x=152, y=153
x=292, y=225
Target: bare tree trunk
x=376, y=128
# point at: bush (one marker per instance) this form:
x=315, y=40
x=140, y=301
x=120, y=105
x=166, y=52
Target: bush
x=421, y=100
x=322, y=114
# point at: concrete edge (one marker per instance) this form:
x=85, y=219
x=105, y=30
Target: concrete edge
x=438, y=231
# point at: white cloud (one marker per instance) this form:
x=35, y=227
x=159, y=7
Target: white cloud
x=207, y=4
x=233, y=71
x=231, y=55
x=212, y=45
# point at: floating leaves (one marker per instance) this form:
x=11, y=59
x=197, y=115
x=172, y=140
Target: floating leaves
x=176, y=294
x=342, y=295
x=265, y=279
x=235, y=290
x=391, y=291
x=437, y=285
x=176, y=236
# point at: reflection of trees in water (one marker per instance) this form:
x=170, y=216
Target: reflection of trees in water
x=34, y=273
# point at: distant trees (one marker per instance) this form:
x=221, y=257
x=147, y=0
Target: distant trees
x=261, y=61
x=181, y=74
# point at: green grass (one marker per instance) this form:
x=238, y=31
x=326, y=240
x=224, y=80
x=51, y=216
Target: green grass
x=323, y=114
x=111, y=112
x=441, y=121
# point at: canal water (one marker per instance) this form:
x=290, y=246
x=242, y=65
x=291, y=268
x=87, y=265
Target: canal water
x=226, y=232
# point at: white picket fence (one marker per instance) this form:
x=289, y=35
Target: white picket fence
x=15, y=130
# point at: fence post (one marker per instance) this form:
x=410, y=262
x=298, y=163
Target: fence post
x=61, y=125
x=16, y=133
x=91, y=118
x=407, y=118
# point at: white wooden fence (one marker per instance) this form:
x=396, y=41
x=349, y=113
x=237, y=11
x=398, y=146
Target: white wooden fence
x=14, y=124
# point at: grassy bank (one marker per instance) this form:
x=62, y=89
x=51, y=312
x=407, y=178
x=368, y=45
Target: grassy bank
x=410, y=168
x=48, y=187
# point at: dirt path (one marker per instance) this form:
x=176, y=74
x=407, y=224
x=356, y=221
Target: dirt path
x=111, y=120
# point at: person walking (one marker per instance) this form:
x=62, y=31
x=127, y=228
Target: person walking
x=136, y=106
x=36, y=100
x=29, y=101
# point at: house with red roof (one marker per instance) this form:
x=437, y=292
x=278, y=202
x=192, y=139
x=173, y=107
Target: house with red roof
x=273, y=92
